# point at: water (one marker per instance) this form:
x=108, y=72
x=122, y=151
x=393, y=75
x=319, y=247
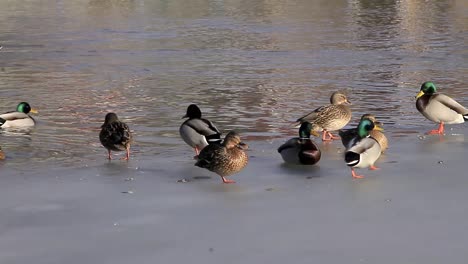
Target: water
x=253, y=66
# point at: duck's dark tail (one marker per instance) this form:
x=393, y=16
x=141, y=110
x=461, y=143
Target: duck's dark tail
x=202, y=163
x=214, y=139
x=465, y=116
x=352, y=158
x=2, y=121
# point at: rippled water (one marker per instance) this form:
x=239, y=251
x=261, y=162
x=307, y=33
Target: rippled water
x=254, y=66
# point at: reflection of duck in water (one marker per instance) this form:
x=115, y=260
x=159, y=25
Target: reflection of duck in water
x=362, y=150
x=329, y=117
x=224, y=159
x=301, y=150
x=115, y=135
x=439, y=108
x=18, y=118
x=376, y=133
x=198, y=132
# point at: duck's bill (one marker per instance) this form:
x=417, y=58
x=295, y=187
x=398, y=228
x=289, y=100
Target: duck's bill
x=348, y=102
x=34, y=111
x=243, y=146
x=315, y=133
x=378, y=127
x=421, y=93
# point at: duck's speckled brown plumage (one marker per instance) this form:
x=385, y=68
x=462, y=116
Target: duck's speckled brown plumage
x=330, y=117
x=381, y=138
x=224, y=159
x=2, y=154
x=115, y=135
x=347, y=135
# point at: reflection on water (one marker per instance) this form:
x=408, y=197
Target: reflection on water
x=254, y=66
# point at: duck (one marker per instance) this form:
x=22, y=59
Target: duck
x=19, y=118
x=226, y=158
x=302, y=149
x=377, y=134
x=115, y=135
x=439, y=108
x=362, y=150
x=198, y=132
x=2, y=154
x=330, y=117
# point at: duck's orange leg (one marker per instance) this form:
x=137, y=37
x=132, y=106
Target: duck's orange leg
x=355, y=176
x=127, y=154
x=439, y=131
x=332, y=136
x=372, y=167
x=226, y=180
x=109, y=157
x=324, y=136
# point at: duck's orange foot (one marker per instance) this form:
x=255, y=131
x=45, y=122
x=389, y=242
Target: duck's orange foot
x=355, y=176
x=435, y=132
x=327, y=136
x=438, y=131
x=227, y=181
x=332, y=137
x=373, y=168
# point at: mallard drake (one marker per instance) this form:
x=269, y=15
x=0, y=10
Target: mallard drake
x=376, y=133
x=18, y=118
x=362, y=150
x=115, y=135
x=439, y=108
x=224, y=159
x=196, y=131
x=329, y=117
x=301, y=150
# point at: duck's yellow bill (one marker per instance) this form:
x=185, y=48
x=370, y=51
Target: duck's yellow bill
x=315, y=133
x=34, y=111
x=377, y=127
x=421, y=93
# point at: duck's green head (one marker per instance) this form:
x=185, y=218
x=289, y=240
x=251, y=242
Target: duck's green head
x=304, y=130
x=373, y=119
x=24, y=107
x=193, y=111
x=427, y=88
x=365, y=126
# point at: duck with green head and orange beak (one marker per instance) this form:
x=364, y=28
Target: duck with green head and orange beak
x=19, y=118
x=439, y=108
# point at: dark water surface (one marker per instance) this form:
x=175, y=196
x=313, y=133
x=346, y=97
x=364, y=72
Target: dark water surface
x=254, y=66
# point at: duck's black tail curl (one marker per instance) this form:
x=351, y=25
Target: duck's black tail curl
x=352, y=158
